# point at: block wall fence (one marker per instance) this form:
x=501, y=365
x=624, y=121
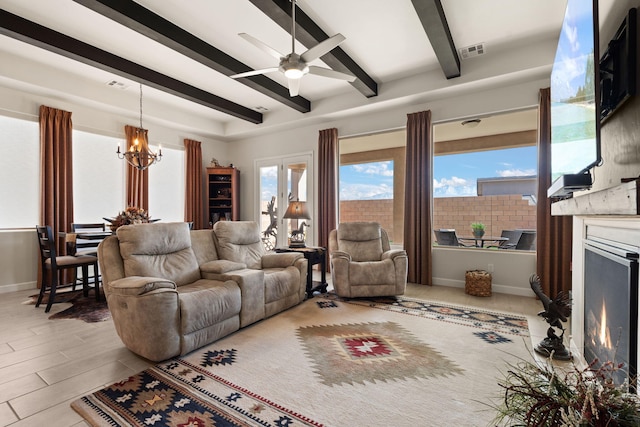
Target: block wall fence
x=505, y=212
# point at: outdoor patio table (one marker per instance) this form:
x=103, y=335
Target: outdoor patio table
x=480, y=241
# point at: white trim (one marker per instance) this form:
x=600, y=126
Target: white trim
x=4, y=289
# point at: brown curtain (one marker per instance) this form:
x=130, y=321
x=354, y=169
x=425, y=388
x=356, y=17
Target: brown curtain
x=193, y=206
x=417, y=197
x=555, y=233
x=327, y=184
x=56, y=173
x=137, y=180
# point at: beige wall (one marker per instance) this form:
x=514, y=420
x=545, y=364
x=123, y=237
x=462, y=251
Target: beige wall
x=18, y=260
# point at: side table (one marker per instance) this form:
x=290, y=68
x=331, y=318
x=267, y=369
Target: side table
x=314, y=255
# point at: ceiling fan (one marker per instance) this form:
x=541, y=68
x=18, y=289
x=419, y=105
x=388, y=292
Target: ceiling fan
x=295, y=66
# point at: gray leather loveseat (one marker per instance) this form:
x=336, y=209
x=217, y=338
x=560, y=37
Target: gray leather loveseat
x=171, y=290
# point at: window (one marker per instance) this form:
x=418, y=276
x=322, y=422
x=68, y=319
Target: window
x=167, y=186
x=280, y=181
x=98, y=177
x=371, y=181
x=366, y=194
x=19, y=173
x=487, y=178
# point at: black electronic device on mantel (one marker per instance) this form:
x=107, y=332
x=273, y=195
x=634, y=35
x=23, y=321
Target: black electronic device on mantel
x=575, y=100
x=618, y=66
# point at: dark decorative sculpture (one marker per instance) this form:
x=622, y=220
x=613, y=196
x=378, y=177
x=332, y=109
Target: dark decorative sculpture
x=555, y=312
x=269, y=235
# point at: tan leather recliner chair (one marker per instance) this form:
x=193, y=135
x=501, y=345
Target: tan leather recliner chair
x=362, y=262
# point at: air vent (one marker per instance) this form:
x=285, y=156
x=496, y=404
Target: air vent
x=471, y=51
x=116, y=84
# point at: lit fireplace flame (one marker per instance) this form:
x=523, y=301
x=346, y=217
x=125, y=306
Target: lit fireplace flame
x=605, y=338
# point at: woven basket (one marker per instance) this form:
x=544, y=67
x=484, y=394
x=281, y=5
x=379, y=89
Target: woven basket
x=477, y=283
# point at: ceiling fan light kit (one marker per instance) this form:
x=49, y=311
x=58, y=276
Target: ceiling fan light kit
x=295, y=66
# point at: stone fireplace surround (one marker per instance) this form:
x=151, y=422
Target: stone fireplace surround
x=623, y=229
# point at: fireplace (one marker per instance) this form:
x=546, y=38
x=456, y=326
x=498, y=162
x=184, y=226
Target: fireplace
x=611, y=305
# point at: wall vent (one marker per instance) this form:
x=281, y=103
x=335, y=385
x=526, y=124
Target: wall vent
x=471, y=51
x=116, y=84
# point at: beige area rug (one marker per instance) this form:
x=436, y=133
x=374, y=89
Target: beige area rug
x=329, y=362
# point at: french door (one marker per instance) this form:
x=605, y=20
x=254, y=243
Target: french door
x=280, y=181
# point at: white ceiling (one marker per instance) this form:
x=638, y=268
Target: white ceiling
x=384, y=37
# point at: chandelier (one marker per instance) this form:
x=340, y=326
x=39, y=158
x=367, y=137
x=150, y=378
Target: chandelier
x=139, y=155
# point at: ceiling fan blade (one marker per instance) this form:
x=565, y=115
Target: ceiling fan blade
x=254, y=72
x=294, y=86
x=326, y=72
x=260, y=45
x=321, y=48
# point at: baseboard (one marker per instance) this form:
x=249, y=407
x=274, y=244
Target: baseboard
x=18, y=287
x=501, y=289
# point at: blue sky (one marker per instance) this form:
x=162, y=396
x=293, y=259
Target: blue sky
x=453, y=175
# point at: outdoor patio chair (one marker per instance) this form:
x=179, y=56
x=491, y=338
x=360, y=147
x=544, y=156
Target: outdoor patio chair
x=513, y=236
x=527, y=241
x=448, y=237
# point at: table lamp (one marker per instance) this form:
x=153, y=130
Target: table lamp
x=297, y=210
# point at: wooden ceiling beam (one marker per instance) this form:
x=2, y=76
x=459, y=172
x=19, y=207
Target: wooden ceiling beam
x=309, y=34
x=35, y=34
x=149, y=24
x=435, y=25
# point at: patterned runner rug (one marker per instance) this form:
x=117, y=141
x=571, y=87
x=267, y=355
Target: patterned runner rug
x=329, y=362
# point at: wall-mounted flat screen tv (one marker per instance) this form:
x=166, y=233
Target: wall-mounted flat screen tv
x=575, y=100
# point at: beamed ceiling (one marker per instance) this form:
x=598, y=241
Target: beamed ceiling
x=184, y=52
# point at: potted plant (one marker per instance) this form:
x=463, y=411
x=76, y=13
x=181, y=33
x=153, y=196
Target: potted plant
x=478, y=229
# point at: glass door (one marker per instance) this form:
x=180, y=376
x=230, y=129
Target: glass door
x=281, y=181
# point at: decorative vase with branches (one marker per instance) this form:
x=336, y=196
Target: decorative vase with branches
x=544, y=395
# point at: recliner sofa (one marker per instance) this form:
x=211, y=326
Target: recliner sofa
x=171, y=290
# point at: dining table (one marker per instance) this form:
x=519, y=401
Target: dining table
x=71, y=239
x=479, y=242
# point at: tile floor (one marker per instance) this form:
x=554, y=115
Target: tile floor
x=46, y=364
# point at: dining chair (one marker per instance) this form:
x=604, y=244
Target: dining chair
x=53, y=264
x=86, y=246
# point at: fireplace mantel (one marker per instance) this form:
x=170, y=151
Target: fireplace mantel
x=622, y=199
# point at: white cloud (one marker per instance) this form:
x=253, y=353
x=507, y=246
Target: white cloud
x=366, y=192
x=454, y=187
x=516, y=172
x=571, y=32
x=377, y=168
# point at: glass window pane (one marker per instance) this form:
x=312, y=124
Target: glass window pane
x=269, y=205
x=366, y=194
x=297, y=191
x=98, y=177
x=496, y=188
x=19, y=173
x=167, y=186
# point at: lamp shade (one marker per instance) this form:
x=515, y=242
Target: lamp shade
x=297, y=210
